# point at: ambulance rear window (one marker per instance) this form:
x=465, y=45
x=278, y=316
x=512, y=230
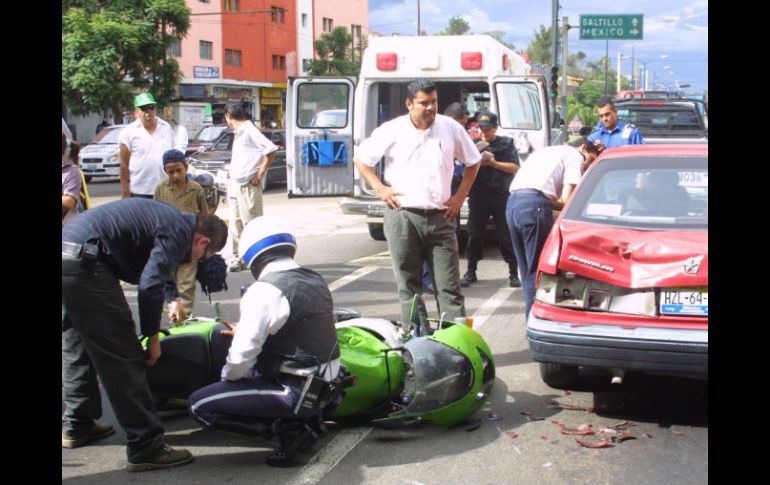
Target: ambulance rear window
x=519, y=105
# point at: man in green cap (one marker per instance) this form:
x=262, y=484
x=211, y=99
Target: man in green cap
x=142, y=145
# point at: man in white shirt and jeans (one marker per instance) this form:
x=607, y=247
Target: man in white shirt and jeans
x=420, y=149
x=142, y=145
x=251, y=156
x=543, y=184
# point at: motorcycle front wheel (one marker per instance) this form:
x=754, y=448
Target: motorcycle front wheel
x=212, y=199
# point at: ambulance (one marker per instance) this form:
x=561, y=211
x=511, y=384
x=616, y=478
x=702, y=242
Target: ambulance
x=328, y=117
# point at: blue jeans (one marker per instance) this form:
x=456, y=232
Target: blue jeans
x=530, y=218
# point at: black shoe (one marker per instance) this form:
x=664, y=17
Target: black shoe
x=167, y=457
x=70, y=439
x=514, y=281
x=468, y=278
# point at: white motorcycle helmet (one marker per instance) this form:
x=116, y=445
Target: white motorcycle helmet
x=264, y=239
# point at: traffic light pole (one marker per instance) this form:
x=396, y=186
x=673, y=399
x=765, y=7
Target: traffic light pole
x=565, y=78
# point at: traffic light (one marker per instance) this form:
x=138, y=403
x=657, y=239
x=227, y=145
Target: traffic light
x=554, y=82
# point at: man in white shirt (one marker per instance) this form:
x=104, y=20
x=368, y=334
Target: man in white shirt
x=142, y=145
x=543, y=184
x=420, y=149
x=251, y=156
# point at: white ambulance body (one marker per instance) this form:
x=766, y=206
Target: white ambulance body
x=328, y=117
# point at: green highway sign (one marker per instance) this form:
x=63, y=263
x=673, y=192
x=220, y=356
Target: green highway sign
x=600, y=27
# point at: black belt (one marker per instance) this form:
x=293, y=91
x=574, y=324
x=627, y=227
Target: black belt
x=424, y=212
x=71, y=249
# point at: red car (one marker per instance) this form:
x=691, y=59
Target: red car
x=623, y=277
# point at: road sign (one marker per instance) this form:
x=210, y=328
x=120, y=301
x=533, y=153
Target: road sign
x=596, y=27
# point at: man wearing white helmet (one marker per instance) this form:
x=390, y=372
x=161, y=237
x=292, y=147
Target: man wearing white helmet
x=288, y=311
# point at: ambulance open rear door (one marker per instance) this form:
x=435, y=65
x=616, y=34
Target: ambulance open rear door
x=319, y=136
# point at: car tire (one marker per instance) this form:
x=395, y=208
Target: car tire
x=558, y=376
x=88, y=178
x=376, y=231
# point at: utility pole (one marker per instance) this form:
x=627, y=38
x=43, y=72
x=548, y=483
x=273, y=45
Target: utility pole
x=565, y=28
x=418, y=17
x=617, y=80
x=554, y=30
x=633, y=71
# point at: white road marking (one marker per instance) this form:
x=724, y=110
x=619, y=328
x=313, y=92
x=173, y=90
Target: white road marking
x=359, y=273
x=488, y=307
x=330, y=455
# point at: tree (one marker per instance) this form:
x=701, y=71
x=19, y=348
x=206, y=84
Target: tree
x=335, y=56
x=113, y=48
x=457, y=26
x=498, y=36
x=540, y=47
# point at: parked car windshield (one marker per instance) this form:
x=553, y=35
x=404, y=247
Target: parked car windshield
x=109, y=134
x=210, y=133
x=642, y=192
x=664, y=119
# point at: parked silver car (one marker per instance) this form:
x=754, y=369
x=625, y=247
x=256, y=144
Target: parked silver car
x=101, y=157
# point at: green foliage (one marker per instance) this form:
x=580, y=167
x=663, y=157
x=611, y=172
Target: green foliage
x=457, y=26
x=539, y=49
x=498, y=36
x=112, y=49
x=335, y=55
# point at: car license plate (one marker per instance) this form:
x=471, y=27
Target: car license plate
x=90, y=166
x=684, y=301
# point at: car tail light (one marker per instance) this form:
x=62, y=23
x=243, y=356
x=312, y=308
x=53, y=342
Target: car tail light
x=387, y=62
x=569, y=290
x=471, y=60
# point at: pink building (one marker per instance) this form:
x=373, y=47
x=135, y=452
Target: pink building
x=351, y=14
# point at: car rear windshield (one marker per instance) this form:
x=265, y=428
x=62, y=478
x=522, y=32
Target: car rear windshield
x=210, y=133
x=645, y=192
x=661, y=119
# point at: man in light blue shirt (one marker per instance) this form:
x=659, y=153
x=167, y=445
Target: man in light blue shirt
x=610, y=131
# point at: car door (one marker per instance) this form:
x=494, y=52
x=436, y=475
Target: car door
x=522, y=108
x=319, y=136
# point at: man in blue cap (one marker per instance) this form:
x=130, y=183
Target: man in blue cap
x=142, y=145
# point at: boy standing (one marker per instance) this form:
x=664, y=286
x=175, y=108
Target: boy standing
x=188, y=196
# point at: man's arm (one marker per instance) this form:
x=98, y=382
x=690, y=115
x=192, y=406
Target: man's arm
x=125, y=178
x=383, y=191
x=257, y=179
x=455, y=203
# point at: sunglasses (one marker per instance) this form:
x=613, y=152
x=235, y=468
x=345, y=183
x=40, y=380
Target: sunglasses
x=147, y=108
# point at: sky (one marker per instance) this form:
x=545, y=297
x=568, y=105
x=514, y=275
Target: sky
x=674, y=45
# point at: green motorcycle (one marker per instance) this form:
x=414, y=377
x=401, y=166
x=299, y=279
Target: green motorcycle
x=392, y=374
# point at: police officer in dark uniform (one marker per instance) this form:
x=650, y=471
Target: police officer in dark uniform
x=285, y=334
x=142, y=242
x=610, y=131
x=488, y=197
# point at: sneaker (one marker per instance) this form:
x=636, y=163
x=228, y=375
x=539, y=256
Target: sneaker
x=514, y=281
x=468, y=278
x=71, y=439
x=167, y=457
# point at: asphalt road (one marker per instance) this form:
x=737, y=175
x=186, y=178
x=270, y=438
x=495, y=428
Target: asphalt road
x=667, y=416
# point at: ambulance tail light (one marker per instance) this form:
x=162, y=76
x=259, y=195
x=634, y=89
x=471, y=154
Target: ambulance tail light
x=471, y=60
x=506, y=62
x=387, y=61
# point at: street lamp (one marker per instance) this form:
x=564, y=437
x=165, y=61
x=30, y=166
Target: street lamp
x=418, y=17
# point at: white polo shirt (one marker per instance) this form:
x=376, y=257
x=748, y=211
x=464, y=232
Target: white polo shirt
x=419, y=164
x=145, y=167
x=250, y=147
x=549, y=170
